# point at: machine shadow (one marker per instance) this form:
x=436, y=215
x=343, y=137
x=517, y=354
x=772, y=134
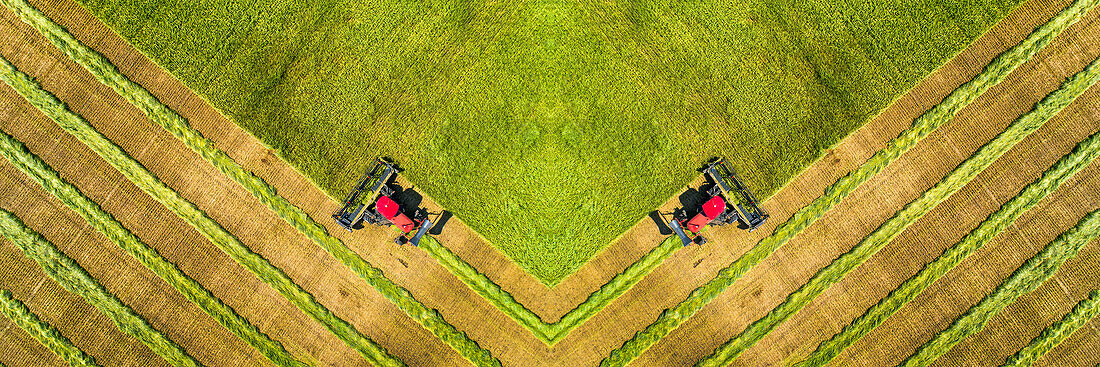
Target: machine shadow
x=438, y=227
x=662, y=227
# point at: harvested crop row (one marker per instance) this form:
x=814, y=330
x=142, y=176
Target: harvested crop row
x=993, y=73
x=1057, y=332
x=958, y=178
x=108, y=74
x=139, y=175
x=1025, y=279
x=43, y=332
x=1085, y=152
x=75, y=279
x=550, y=333
x=106, y=224
x=486, y=288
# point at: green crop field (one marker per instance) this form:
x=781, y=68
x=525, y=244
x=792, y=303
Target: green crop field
x=549, y=127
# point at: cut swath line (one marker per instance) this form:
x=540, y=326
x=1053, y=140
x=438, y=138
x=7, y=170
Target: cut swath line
x=150, y=184
x=43, y=332
x=1025, y=279
x=105, y=223
x=108, y=74
x=995, y=72
x=549, y=333
x=887, y=231
x=1057, y=332
x=1059, y=173
x=75, y=279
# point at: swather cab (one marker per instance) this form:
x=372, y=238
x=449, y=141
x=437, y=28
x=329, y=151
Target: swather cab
x=730, y=201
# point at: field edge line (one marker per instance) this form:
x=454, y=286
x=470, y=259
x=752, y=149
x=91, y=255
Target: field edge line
x=992, y=74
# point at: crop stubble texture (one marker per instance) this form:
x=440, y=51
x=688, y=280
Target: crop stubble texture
x=1057, y=332
x=43, y=332
x=139, y=175
x=954, y=181
x=1025, y=279
x=533, y=120
x=551, y=333
x=1060, y=172
x=106, y=224
x=995, y=72
x=75, y=279
x=108, y=74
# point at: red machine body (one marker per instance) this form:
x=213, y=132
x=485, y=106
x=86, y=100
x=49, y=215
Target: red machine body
x=370, y=202
x=710, y=210
x=729, y=202
x=391, y=211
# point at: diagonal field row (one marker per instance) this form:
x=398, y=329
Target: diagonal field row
x=997, y=222
x=267, y=317
x=18, y=313
x=928, y=122
x=417, y=275
x=107, y=74
x=225, y=241
x=1023, y=280
x=910, y=213
x=1058, y=332
x=781, y=275
x=102, y=221
x=171, y=121
x=75, y=279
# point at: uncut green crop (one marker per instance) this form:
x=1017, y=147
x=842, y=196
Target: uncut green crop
x=1029, y=276
x=140, y=176
x=106, y=73
x=75, y=279
x=993, y=73
x=106, y=224
x=1084, y=311
x=549, y=127
x=43, y=332
x=1059, y=173
x=893, y=227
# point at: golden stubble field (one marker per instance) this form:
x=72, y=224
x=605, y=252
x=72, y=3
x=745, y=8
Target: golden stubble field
x=350, y=298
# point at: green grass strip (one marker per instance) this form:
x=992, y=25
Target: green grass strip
x=958, y=178
x=106, y=224
x=1055, y=176
x=43, y=332
x=1025, y=279
x=551, y=333
x=995, y=72
x=104, y=71
x=75, y=279
x=1057, y=332
x=135, y=172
